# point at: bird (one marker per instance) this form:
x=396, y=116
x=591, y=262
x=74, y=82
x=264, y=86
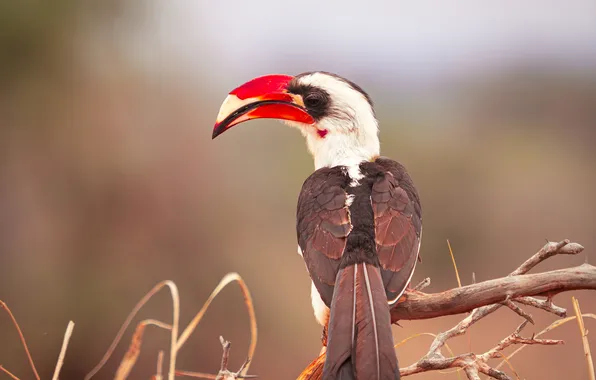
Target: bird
x=358, y=219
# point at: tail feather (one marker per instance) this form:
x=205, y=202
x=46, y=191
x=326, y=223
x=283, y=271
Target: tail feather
x=341, y=328
x=360, y=343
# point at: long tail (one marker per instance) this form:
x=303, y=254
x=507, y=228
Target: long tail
x=360, y=343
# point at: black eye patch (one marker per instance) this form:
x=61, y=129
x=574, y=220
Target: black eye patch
x=316, y=100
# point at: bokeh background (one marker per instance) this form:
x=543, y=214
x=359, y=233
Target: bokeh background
x=110, y=182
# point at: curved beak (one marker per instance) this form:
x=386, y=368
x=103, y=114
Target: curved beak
x=263, y=97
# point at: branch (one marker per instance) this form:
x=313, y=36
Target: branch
x=418, y=305
x=482, y=299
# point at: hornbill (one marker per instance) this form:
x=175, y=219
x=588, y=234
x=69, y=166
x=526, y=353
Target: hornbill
x=359, y=219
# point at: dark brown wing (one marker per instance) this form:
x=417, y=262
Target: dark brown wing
x=398, y=225
x=323, y=224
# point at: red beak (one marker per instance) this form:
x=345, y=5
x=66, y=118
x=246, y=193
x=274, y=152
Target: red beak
x=265, y=97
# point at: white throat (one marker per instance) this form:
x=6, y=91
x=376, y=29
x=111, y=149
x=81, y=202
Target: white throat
x=337, y=149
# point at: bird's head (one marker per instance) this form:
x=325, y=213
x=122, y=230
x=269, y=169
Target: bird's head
x=335, y=115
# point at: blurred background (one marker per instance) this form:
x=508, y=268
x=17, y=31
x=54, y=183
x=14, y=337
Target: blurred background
x=109, y=180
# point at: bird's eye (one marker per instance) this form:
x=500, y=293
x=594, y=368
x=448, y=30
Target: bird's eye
x=313, y=100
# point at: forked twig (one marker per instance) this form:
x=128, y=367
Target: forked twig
x=224, y=373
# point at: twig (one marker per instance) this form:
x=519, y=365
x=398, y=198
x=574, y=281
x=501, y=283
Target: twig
x=546, y=305
x=564, y=247
x=62, y=354
x=582, y=330
x=224, y=373
x=551, y=327
x=515, y=338
x=225, y=357
x=518, y=310
x=471, y=364
x=422, y=284
x=21, y=336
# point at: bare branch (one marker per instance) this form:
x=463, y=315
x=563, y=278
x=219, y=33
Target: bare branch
x=480, y=300
x=418, y=305
x=517, y=284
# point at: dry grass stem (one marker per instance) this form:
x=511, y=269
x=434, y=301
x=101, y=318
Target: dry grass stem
x=133, y=313
x=12, y=376
x=230, y=277
x=62, y=354
x=454, y=264
x=134, y=350
x=22, y=337
x=159, y=370
x=584, y=334
x=197, y=375
x=176, y=342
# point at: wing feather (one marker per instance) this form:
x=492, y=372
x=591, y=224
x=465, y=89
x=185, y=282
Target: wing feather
x=323, y=224
x=398, y=225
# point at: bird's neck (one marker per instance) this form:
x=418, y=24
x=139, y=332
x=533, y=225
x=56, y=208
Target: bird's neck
x=342, y=150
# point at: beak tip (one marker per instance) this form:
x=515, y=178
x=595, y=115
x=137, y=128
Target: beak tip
x=217, y=130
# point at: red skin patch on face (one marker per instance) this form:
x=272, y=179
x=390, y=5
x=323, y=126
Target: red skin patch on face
x=322, y=133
